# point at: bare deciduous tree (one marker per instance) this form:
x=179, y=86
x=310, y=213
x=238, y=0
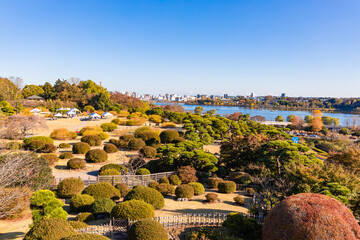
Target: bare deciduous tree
x=134, y=164
x=20, y=125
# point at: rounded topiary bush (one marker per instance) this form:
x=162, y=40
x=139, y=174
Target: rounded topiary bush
x=110, y=148
x=102, y=206
x=92, y=140
x=148, y=195
x=108, y=127
x=165, y=188
x=41, y=138
x=78, y=225
x=66, y=155
x=81, y=202
x=69, y=187
x=50, y=158
x=213, y=182
x=184, y=191
x=63, y=134
x=64, y=145
x=108, y=172
x=239, y=200
x=76, y=163
x=310, y=216
x=164, y=180
x=174, y=180
x=85, y=217
x=103, y=135
x=168, y=136
x=153, y=184
x=96, y=156
x=212, y=197
x=81, y=148
x=86, y=236
x=49, y=148
x=147, y=230
x=36, y=145
x=142, y=171
x=118, y=167
x=123, y=188
x=198, y=188
x=148, y=152
x=133, y=209
x=227, y=187
x=136, y=144
x=102, y=190
x=53, y=228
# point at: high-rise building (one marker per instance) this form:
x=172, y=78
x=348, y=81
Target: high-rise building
x=283, y=95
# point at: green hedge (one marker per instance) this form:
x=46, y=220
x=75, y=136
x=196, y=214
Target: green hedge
x=133, y=209
x=69, y=187
x=53, y=228
x=147, y=230
x=148, y=195
x=96, y=156
x=102, y=190
x=102, y=206
x=81, y=148
x=198, y=188
x=81, y=202
x=227, y=187
x=41, y=138
x=184, y=191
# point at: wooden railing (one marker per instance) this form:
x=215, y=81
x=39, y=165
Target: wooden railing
x=104, y=229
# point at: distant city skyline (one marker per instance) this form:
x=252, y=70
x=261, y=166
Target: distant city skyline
x=236, y=47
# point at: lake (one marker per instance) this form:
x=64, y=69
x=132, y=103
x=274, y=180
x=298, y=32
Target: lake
x=269, y=114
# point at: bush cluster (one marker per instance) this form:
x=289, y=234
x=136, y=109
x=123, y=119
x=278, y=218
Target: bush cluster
x=102, y=190
x=78, y=225
x=187, y=174
x=86, y=236
x=81, y=202
x=142, y=171
x=148, y=152
x=93, y=130
x=164, y=180
x=239, y=200
x=123, y=188
x=49, y=148
x=250, y=191
x=64, y=145
x=116, y=121
x=103, y=135
x=36, y=145
x=41, y=138
x=153, y=184
x=133, y=209
x=76, y=163
x=50, y=158
x=92, y=140
x=85, y=217
x=213, y=182
x=52, y=228
x=108, y=127
x=147, y=230
x=66, y=155
x=148, y=195
x=184, y=191
x=102, y=206
x=63, y=134
x=227, y=187
x=168, y=136
x=110, y=148
x=198, y=188
x=96, y=156
x=243, y=227
x=174, y=180
x=136, y=144
x=108, y=172
x=81, y=148
x=165, y=188
x=118, y=167
x=150, y=138
x=212, y=197
x=69, y=187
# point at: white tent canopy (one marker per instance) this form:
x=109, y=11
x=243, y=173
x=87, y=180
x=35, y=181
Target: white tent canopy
x=107, y=114
x=95, y=115
x=35, y=110
x=60, y=109
x=75, y=110
x=71, y=112
x=58, y=115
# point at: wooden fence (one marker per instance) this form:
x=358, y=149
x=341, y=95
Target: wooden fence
x=133, y=180
x=105, y=229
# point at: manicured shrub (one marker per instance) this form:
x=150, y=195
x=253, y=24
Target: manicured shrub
x=136, y=144
x=140, y=130
x=92, y=140
x=86, y=236
x=50, y=158
x=108, y=172
x=108, y=127
x=133, y=209
x=96, y=156
x=64, y=145
x=81, y=148
x=150, y=138
x=110, y=148
x=81, y=202
x=41, y=138
x=310, y=216
x=184, y=191
x=85, y=217
x=76, y=163
x=142, y=171
x=148, y=195
x=148, y=229
x=213, y=182
x=53, y=228
x=116, y=121
x=123, y=188
x=66, y=155
x=13, y=146
x=69, y=187
x=168, y=125
x=187, y=174
x=90, y=130
x=127, y=138
x=103, y=136
x=164, y=180
x=36, y=145
x=250, y=192
x=102, y=190
x=174, y=180
x=49, y=148
x=212, y=197
x=148, y=152
x=227, y=187
x=78, y=225
x=168, y=136
x=102, y=206
x=165, y=188
x=198, y=188
x=118, y=167
x=246, y=228
x=153, y=184
x=239, y=200
x=63, y=134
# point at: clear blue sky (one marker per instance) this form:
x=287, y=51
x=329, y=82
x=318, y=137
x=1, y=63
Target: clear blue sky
x=303, y=47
